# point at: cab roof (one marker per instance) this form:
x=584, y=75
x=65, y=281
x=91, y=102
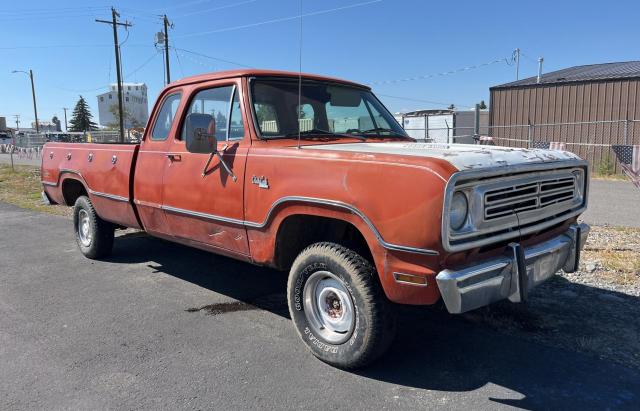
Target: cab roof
x=218, y=75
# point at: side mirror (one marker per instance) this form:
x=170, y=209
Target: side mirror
x=201, y=133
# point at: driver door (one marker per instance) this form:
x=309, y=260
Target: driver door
x=205, y=206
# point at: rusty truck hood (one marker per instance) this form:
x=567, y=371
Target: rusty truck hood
x=461, y=156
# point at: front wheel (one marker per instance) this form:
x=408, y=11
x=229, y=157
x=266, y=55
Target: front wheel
x=93, y=234
x=338, y=307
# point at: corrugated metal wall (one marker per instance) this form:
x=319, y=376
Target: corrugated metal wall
x=608, y=104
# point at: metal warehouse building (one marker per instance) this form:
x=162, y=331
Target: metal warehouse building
x=588, y=108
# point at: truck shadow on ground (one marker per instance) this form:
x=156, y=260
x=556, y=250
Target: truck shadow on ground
x=434, y=350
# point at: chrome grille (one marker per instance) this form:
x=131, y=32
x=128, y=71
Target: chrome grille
x=528, y=196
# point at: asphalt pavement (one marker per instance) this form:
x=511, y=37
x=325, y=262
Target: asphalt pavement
x=162, y=326
x=613, y=202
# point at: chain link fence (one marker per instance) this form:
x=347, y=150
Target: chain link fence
x=592, y=140
x=37, y=140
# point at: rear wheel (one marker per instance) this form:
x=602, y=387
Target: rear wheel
x=338, y=307
x=93, y=234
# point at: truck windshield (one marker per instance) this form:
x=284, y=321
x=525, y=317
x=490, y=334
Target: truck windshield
x=325, y=109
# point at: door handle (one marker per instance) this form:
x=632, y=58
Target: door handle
x=174, y=157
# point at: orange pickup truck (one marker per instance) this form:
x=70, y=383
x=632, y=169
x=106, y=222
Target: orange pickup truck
x=314, y=176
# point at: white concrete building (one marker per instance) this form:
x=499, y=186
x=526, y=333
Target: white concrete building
x=135, y=103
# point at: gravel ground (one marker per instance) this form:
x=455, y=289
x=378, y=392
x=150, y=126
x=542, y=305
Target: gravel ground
x=610, y=260
x=594, y=310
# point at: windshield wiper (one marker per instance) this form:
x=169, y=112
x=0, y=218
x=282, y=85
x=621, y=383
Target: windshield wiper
x=377, y=130
x=318, y=131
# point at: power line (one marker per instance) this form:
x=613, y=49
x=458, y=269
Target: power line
x=51, y=15
x=50, y=10
x=213, y=58
x=80, y=91
x=423, y=101
x=199, y=62
x=279, y=20
x=444, y=73
x=140, y=67
x=179, y=6
x=67, y=46
x=227, y=6
x=179, y=62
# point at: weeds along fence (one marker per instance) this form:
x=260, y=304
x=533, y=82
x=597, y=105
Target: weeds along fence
x=592, y=141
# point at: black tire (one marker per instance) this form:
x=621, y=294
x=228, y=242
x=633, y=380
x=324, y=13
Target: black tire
x=101, y=232
x=374, y=325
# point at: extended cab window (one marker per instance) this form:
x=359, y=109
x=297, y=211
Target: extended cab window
x=217, y=102
x=165, y=117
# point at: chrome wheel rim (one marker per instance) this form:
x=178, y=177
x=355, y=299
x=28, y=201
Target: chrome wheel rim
x=329, y=307
x=84, y=228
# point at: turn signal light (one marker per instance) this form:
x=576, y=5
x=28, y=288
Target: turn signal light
x=410, y=279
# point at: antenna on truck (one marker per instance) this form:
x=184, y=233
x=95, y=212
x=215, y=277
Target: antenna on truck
x=299, y=74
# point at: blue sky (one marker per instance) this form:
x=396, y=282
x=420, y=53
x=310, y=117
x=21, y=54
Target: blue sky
x=372, y=42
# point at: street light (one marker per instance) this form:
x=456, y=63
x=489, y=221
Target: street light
x=33, y=93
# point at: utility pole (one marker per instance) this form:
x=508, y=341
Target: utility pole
x=35, y=108
x=540, y=60
x=17, y=116
x=65, y=119
x=33, y=93
x=166, y=46
x=115, y=23
x=517, y=58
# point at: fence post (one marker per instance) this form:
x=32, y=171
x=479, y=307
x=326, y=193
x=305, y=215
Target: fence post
x=426, y=128
x=626, y=132
x=476, y=124
x=449, y=138
x=529, y=135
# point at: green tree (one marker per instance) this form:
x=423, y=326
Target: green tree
x=81, y=117
x=483, y=106
x=129, y=120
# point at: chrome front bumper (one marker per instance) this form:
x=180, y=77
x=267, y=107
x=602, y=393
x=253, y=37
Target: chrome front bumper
x=512, y=275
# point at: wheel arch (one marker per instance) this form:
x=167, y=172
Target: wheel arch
x=72, y=187
x=296, y=231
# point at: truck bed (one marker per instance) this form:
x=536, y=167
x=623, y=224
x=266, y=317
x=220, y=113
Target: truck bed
x=105, y=172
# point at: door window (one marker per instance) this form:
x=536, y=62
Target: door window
x=217, y=103
x=165, y=117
